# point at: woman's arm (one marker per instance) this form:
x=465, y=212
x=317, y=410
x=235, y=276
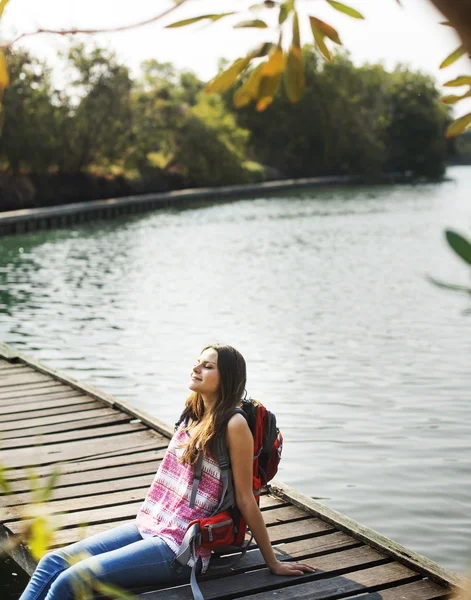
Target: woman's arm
x=240, y=445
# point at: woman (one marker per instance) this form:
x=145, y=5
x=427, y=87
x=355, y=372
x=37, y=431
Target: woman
x=142, y=552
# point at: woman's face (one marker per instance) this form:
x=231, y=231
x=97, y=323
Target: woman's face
x=204, y=377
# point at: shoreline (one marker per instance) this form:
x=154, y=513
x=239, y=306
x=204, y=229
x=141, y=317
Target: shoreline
x=52, y=217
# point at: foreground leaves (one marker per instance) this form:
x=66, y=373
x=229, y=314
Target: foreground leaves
x=459, y=244
x=348, y=10
x=211, y=17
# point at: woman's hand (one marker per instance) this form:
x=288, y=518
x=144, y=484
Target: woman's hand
x=290, y=568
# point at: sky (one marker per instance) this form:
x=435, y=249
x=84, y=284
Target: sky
x=410, y=35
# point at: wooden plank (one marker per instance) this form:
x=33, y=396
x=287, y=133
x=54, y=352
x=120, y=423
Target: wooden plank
x=61, y=420
x=313, y=586
x=56, y=394
x=32, y=387
x=8, y=352
x=322, y=543
x=94, y=482
x=118, y=512
x=74, y=450
x=97, y=515
x=5, y=364
x=46, y=412
x=418, y=590
x=9, y=368
x=34, y=405
x=283, y=514
x=40, y=390
x=19, y=379
x=56, y=374
x=412, y=559
x=91, y=433
x=81, y=423
x=146, y=452
x=286, y=550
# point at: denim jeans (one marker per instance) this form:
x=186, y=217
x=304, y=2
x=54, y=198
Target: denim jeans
x=119, y=556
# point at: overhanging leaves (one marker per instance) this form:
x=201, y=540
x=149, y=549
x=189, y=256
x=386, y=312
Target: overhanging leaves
x=224, y=80
x=294, y=73
x=326, y=29
x=458, y=126
x=212, y=17
x=452, y=99
x=249, y=90
x=4, y=78
x=459, y=244
x=285, y=9
x=258, y=23
x=3, y=4
x=453, y=57
x=463, y=80
x=319, y=39
x=348, y=10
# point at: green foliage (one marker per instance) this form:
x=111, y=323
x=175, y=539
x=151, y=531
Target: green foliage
x=332, y=118
x=30, y=134
x=94, y=130
x=349, y=120
x=417, y=126
x=211, y=148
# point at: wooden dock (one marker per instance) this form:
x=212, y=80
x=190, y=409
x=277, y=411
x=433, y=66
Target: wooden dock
x=109, y=453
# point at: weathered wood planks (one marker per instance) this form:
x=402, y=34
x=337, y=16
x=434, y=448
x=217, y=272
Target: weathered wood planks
x=109, y=452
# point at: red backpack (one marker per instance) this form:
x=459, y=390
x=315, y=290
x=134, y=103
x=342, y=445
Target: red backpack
x=226, y=526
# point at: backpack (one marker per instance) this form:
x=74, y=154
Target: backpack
x=225, y=529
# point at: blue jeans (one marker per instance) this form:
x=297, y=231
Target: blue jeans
x=119, y=556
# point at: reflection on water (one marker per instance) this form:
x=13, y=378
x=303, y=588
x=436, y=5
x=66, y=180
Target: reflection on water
x=364, y=362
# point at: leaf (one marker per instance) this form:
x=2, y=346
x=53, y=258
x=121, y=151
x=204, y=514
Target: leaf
x=42, y=533
x=327, y=30
x=294, y=75
x=224, y=80
x=261, y=50
x=463, y=80
x=4, y=77
x=249, y=90
x=275, y=64
x=296, y=41
x=212, y=17
x=319, y=39
x=285, y=9
x=459, y=244
x=267, y=89
x=453, y=57
x=348, y=10
x=258, y=23
x=270, y=77
x=448, y=286
x=3, y=4
x=452, y=99
x=458, y=125
x=261, y=5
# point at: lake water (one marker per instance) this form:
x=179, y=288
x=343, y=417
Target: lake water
x=364, y=362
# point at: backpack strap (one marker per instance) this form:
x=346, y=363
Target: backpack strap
x=197, y=478
x=222, y=455
x=188, y=549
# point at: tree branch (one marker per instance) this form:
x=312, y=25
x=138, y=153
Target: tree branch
x=75, y=31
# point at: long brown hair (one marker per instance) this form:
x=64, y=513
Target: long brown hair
x=232, y=380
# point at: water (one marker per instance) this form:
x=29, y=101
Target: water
x=365, y=363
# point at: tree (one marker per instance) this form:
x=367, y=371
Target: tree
x=29, y=137
x=95, y=115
